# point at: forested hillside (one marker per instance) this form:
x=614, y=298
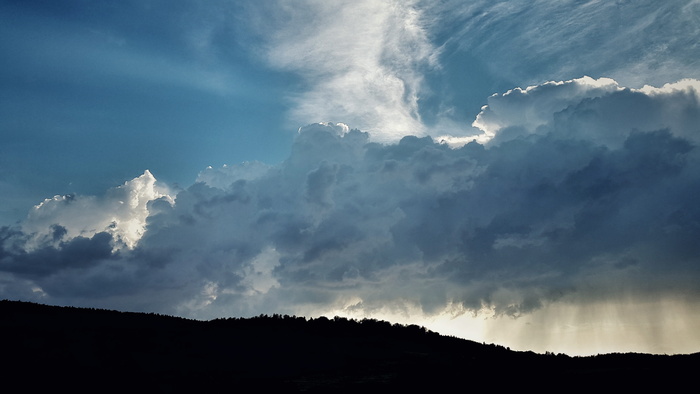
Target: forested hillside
x=48, y=347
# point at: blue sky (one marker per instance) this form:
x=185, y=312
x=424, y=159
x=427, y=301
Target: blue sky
x=96, y=93
x=518, y=172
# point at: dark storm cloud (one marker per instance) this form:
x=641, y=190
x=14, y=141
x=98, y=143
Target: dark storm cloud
x=54, y=256
x=588, y=199
x=508, y=226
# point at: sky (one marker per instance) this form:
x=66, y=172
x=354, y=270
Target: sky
x=515, y=172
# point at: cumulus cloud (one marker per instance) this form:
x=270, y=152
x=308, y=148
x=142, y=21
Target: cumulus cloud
x=121, y=212
x=585, y=199
x=527, y=111
x=589, y=109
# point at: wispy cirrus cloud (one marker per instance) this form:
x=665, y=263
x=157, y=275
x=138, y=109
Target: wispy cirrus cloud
x=362, y=62
x=529, y=42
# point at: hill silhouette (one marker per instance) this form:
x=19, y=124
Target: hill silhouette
x=81, y=349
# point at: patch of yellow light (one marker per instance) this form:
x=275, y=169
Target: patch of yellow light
x=666, y=326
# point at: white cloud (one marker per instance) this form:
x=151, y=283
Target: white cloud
x=599, y=111
x=366, y=63
x=361, y=61
x=527, y=111
x=121, y=212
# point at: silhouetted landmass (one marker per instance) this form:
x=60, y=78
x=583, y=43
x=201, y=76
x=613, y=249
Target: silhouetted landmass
x=80, y=349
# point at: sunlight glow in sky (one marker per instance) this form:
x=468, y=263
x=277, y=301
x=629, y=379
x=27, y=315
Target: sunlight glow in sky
x=515, y=172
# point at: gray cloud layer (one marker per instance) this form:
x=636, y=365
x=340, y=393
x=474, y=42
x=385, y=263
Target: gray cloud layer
x=593, y=198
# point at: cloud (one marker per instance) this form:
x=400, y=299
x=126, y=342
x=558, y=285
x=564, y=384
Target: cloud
x=77, y=253
x=584, y=196
x=437, y=198
x=527, y=42
x=528, y=111
x=585, y=200
x=224, y=176
x=421, y=68
x=586, y=108
x=361, y=61
x=121, y=212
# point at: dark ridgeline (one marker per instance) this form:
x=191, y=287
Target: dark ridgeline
x=81, y=349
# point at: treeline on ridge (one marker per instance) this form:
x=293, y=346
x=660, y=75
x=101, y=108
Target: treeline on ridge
x=291, y=353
